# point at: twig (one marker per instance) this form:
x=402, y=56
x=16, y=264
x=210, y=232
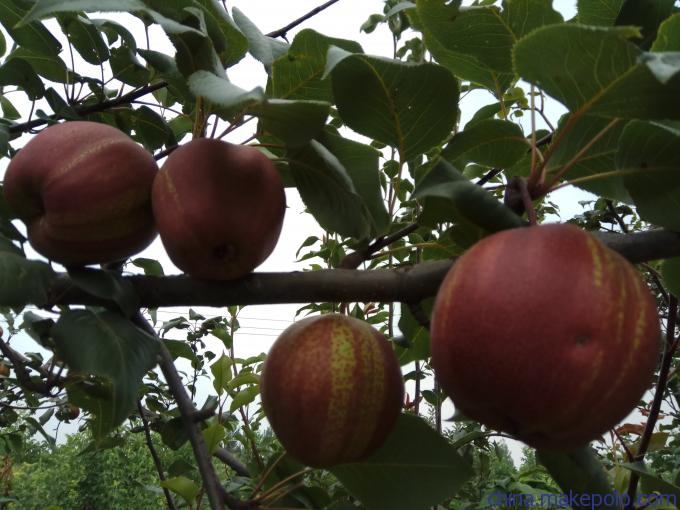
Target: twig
x=282, y=32
x=355, y=259
x=213, y=489
x=488, y=176
x=86, y=110
x=669, y=350
x=154, y=455
x=617, y=216
x=203, y=414
x=527, y=201
x=569, y=164
x=227, y=458
x=20, y=369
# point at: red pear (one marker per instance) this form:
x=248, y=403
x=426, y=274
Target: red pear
x=83, y=189
x=219, y=208
x=332, y=389
x=546, y=334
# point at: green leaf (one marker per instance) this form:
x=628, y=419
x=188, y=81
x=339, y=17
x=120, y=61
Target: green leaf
x=127, y=68
x=50, y=67
x=20, y=73
x=151, y=129
x=490, y=142
x=3, y=44
x=470, y=202
x=107, y=345
x=646, y=14
x=24, y=282
x=151, y=267
x=34, y=36
x=180, y=349
x=4, y=148
x=649, y=157
x=174, y=433
x=115, y=31
x=244, y=397
x=412, y=107
x=37, y=427
x=599, y=160
x=477, y=32
x=415, y=469
x=476, y=52
x=362, y=165
x=109, y=286
x=223, y=335
x=85, y=38
x=167, y=69
x=293, y=122
x=8, y=110
x=222, y=92
x=221, y=372
x=183, y=487
x=195, y=50
x=652, y=482
x=298, y=74
x=670, y=271
x=242, y=379
x=213, y=436
x=417, y=335
x=668, y=36
x=524, y=16
x=262, y=48
x=328, y=192
x=59, y=105
x=598, y=12
x=579, y=472
x=598, y=71
x=230, y=43
x=8, y=246
x=48, y=8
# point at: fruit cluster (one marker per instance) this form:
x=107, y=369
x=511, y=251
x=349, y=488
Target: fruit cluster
x=89, y=194
x=541, y=332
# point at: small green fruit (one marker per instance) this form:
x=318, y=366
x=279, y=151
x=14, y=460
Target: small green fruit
x=332, y=389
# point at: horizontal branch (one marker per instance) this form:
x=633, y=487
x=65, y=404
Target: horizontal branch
x=406, y=284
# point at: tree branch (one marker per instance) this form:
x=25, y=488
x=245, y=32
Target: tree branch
x=661, y=384
x=154, y=455
x=227, y=458
x=94, y=108
x=19, y=364
x=356, y=258
x=215, y=492
x=405, y=284
x=283, y=31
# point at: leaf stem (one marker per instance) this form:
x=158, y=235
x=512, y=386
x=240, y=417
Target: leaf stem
x=569, y=164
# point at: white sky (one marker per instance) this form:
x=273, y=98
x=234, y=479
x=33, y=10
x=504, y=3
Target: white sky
x=261, y=324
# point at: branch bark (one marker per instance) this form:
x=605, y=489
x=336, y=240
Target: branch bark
x=94, y=108
x=217, y=496
x=282, y=32
x=154, y=455
x=406, y=284
x=661, y=386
